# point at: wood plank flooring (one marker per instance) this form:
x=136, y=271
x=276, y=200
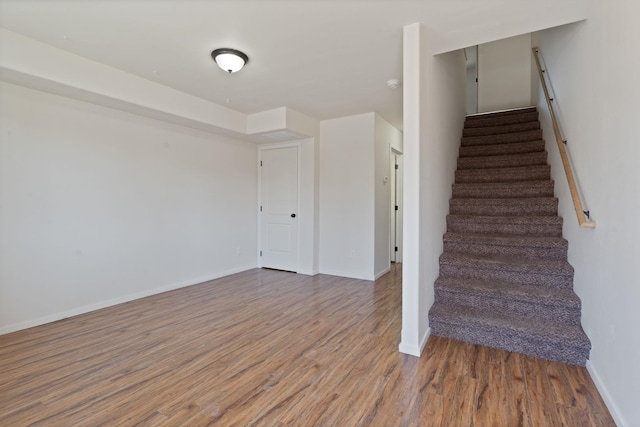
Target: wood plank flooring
x=269, y=348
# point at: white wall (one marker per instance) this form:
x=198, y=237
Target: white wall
x=386, y=137
x=593, y=68
x=434, y=108
x=355, y=201
x=101, y=206
x=504, y=74
x=347, y=197
x=458, y=24
x=412, y=340
x=308, y=220
x=442, y=124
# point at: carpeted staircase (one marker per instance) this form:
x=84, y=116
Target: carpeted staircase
x=504, y=277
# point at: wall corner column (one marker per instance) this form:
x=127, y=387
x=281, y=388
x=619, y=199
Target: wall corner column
x=411, y=342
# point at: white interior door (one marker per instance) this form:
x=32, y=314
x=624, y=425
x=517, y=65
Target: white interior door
x=472, y=79
x=399, y=203
x=392, y=225
x=278, y=209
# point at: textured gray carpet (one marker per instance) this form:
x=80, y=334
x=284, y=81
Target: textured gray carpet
x=504, y=277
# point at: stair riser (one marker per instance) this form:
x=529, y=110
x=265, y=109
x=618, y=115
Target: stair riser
x=505, y=192
x=539, y=173
x=568, y=315
x=511, y=342
x=502, y=149
x=516, y=209
x=523, y=278
x=500, y=120
x=506, y=138
x=494, y=130
x=551, y=253
x=551, y=230
x=529, y=159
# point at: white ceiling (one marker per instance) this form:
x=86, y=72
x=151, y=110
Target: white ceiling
x=323, y=58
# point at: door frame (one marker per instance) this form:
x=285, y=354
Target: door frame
x=261, y=149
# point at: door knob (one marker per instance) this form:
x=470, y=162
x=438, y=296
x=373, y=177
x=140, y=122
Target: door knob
x=293, y=215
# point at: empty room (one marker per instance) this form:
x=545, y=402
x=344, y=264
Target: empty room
x=319, y=213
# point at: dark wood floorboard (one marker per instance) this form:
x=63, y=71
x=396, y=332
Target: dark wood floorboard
x=270, y=348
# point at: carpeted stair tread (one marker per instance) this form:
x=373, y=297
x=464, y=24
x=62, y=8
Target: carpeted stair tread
x=541, y=247
x=511, y=291
x=505, y=138
x=503, y=161
x=520, y=173
x=542, y=242
x=501, y=118
x=511, y=299
x=541, y=330
x=502, y=149
x=497, y=190
x=517, y=225
x=538, y=266
x=494, y=130
x=530, y=206
x=535, y=337
x=529, y=272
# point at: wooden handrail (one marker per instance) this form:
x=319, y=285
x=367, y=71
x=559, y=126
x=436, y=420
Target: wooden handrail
x=573, y=188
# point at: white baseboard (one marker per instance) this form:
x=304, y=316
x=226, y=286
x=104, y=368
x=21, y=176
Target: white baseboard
x=97, y=306
x=606, y=396
x=382, y=273
x=415, y=350
x=345, y=274
x=308, y=272
x=425, y=338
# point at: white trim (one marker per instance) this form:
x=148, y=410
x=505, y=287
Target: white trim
x=347, y=275
x=606, y=396
x=308, y=272
x=382, y=273
x=413, y=350
x=287, y=144
x=97, y=306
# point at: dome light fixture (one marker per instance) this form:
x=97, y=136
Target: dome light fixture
x=230, y=60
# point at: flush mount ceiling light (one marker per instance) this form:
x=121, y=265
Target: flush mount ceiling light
x=230, y=60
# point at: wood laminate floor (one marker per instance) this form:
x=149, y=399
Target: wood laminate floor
x=269, y=348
